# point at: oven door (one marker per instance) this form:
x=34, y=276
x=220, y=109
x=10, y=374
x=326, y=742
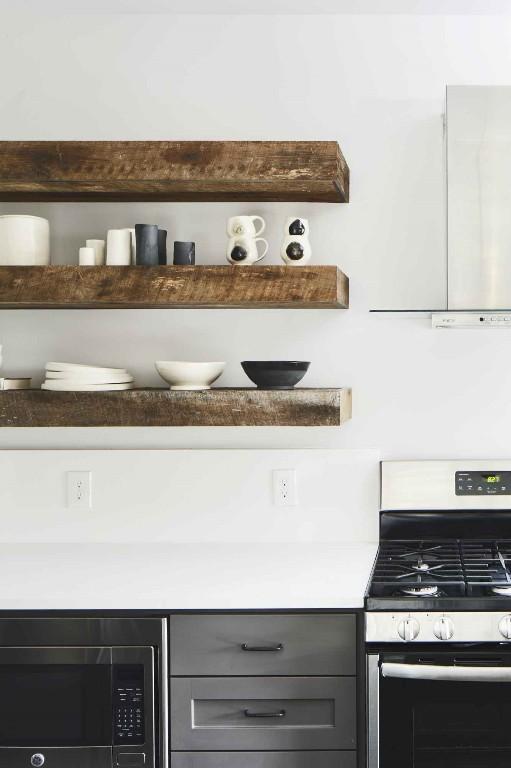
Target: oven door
x=439, y=710
x=57, y=706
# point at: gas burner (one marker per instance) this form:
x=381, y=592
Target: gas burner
x=504, y=590
x=422, y=591
x=421, y=566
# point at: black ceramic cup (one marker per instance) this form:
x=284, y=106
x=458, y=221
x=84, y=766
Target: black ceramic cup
x=162, y=246
x=184, y=253
x=147, y=244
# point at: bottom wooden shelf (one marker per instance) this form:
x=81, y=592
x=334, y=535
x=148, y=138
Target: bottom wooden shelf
x=218, y=407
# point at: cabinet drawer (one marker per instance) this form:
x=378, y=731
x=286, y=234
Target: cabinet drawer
x=263, y=645
x=238, y=713
x=263, y=759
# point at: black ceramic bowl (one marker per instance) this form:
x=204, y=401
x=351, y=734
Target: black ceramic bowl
x=275, y=374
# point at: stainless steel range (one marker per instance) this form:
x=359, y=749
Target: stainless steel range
x=83, y=693
x=438, y=617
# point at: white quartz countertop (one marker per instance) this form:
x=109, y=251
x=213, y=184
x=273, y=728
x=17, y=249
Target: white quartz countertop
x=111, y=576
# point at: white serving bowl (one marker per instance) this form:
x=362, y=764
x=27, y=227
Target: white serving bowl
x=181, y=375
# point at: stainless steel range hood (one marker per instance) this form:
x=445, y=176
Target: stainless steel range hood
x=478, y=130
x=479, y=203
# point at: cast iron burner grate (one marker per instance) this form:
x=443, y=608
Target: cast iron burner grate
x=487, y=567
x=442, y=568
x=418, y=569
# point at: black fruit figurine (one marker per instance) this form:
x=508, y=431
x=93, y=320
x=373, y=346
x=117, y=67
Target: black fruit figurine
x=295, y=251
x=296, y=227
x=238, y=253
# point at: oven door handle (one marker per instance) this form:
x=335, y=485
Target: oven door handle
x=439, y=672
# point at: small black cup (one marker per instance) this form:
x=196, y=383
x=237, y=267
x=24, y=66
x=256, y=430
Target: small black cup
x=147, y=244
x=162, y=246
x=184, y=253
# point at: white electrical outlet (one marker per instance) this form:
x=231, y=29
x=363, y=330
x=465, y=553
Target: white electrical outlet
x=79, y=490
x=284, y=487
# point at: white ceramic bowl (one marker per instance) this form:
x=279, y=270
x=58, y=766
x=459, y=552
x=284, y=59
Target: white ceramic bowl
x=181, y=375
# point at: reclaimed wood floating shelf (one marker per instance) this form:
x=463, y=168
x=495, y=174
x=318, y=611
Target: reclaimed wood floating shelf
x=208, y=287
x=173, y=171
x=166, y=408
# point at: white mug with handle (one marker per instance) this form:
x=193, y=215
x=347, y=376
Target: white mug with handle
x=244, y=226
x=243, y=250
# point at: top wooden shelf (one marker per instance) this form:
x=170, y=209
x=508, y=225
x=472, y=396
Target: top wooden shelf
x=173, y=171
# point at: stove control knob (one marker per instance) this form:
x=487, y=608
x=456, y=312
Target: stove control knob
x=505, y=627
x=443, y=628
x=408, y=629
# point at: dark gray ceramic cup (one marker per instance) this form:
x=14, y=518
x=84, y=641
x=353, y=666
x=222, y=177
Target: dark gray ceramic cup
x=184, y=253
x=146, y=236
x=162, y=246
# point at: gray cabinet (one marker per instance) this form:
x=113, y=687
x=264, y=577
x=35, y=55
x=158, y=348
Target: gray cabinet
x=263, y=760
x=263, y=690
x=230, y=644
x=263, y=713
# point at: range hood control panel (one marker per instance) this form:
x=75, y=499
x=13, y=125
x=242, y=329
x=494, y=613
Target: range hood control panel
x=476, y=483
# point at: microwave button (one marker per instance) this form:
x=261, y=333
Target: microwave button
x=131, y=759
x=37, y=760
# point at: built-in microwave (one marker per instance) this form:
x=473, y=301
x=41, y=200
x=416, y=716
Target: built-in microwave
x=82, y=693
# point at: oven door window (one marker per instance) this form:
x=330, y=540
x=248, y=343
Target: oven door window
x=61, y=705
x=444, y=724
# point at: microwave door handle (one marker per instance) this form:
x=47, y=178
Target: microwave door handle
x=439, y=672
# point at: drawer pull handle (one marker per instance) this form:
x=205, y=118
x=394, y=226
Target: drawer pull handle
x=262, y=648
x=280, y=713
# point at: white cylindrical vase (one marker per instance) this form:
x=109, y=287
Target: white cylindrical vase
x=24, y=241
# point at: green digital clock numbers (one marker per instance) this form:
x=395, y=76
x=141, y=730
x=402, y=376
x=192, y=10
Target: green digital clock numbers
x=492, y=478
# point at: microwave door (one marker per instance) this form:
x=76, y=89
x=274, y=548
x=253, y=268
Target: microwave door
x=56, y=702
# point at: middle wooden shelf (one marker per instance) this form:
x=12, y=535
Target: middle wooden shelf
x=218, y=407
x=173, y=287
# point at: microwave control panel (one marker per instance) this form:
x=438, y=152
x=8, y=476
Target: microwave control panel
x=128, y=695
x=490, y=483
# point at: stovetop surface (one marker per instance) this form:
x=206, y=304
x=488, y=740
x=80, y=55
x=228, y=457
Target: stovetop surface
x=433, y=574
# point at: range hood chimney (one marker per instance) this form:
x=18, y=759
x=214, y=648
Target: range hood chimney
x=478, y=207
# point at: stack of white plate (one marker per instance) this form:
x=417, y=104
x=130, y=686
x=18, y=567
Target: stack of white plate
x=71, y=377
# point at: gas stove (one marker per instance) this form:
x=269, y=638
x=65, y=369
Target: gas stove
x=444, y=555
x=458, y=573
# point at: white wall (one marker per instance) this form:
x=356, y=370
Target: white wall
x=375, y=83
x=189, y=496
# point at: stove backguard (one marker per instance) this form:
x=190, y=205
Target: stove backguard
x=429, y=486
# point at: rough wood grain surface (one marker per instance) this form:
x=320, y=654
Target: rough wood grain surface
x=165, y=408
x=68, y=287
x=314, y=171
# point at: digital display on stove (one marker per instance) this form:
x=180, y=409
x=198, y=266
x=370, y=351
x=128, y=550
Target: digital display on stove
x=483, y=483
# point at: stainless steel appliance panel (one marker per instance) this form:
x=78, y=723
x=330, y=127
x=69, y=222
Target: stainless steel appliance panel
x=479, y=197
x=93, y=757
x=431, y=485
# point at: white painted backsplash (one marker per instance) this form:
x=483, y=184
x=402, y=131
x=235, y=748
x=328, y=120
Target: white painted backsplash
x=201, y=496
